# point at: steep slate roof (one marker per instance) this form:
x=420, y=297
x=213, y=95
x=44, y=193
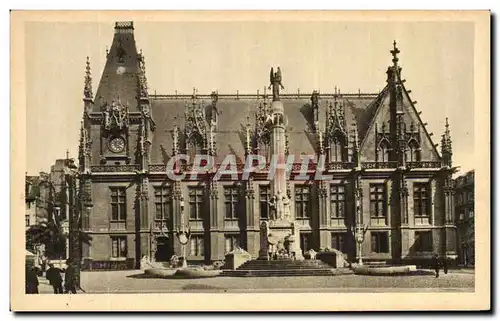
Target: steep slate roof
x=230, y=135
x=120, y=76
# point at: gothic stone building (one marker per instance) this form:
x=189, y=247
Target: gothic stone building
x=387, y=173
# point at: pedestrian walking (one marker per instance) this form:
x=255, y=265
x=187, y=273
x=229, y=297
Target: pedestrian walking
x=445, y=265
x=435, y=264
x=70, y=277
x=31, y=281
x=54, y=277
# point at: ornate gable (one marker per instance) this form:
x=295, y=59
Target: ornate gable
x=195, y=126
x=396, y=133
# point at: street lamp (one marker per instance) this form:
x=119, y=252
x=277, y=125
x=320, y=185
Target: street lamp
x=359, y=228
x=183, y=234
x=359, y=235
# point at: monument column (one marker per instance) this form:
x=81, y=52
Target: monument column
x=282, y=232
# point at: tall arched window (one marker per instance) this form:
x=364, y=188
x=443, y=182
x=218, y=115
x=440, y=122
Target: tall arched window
x=383, y=153
x=414, y=151
x=337, y=149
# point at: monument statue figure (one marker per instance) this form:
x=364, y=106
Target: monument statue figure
x=273, y=205
x=280, y=207
x=286, y=207
x=275, y=80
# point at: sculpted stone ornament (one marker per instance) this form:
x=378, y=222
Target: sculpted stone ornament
x=273, y=205
x=275, y=80
x=115, y=115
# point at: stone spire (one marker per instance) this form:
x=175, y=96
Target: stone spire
x=143, y=82
x=175, y=136
x=394, y=75
x=446, y=150
x=402, y=142
x=355, y=146
x=248, y=137
x=87, y=89
x=84, y=150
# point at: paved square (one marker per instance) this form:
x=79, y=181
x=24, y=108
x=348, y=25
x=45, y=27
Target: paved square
x=134, y=282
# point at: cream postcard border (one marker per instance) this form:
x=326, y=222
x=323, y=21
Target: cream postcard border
x=480, y=299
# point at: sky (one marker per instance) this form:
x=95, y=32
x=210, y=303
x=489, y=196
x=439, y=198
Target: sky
x=437, y=60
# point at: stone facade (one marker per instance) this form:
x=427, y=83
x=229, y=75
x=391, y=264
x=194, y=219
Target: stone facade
x=464, y=210
x=387, y=173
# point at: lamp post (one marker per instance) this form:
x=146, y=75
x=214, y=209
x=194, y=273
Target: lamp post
x=359, y=235
x=359, y=228
x=183, y=234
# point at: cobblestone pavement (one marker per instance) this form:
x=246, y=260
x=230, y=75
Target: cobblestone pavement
x=134, y=282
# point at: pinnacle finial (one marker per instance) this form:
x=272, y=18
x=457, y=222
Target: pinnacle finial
x=446, y=148
x=395, y=51
x=87, y=90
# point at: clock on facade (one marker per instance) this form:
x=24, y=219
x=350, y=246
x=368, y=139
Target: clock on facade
x=116, y=144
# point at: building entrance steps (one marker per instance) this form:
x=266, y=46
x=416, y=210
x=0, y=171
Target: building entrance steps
x=263, y=268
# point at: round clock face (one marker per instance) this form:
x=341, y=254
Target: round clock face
x=116, y=144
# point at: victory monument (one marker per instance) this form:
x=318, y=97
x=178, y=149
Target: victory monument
x=279, y=235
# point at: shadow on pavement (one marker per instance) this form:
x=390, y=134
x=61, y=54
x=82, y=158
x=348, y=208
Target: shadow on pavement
x=392, y=274
x=144, y=276
x=202, y=287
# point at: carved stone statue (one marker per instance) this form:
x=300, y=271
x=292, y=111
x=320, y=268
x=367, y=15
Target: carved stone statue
x=280, y=206
x=275, y=80
x=273, y=205
x=115, y=115
x=286, y=207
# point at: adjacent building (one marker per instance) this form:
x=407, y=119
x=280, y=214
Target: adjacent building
x=464, y=209
x=50, y=197
x=388, y=175
x=35, y=199
x=31, y=196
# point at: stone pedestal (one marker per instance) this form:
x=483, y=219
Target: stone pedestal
x=237, y=258
x=277, y=236
x=332, y=257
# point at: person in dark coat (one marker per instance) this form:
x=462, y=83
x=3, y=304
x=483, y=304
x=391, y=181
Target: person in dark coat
x=435, y=264
x=445, y=265
x=31, y=281
x=53, y=275
x=70, y=277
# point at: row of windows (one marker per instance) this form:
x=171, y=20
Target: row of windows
x=233, y=202
x=340, y=241
x=384, y=151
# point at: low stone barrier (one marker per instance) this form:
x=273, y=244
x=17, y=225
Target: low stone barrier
x=385, y=270
x=159, y=272
x=196, y=273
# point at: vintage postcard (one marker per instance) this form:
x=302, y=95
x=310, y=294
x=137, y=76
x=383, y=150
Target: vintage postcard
x=257, y=161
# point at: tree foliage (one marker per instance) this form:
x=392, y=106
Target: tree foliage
x=48, y=234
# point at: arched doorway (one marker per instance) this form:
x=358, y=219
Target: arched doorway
x=164, y=249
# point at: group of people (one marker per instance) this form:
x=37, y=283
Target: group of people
x=54, y=276
x=437, y=263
